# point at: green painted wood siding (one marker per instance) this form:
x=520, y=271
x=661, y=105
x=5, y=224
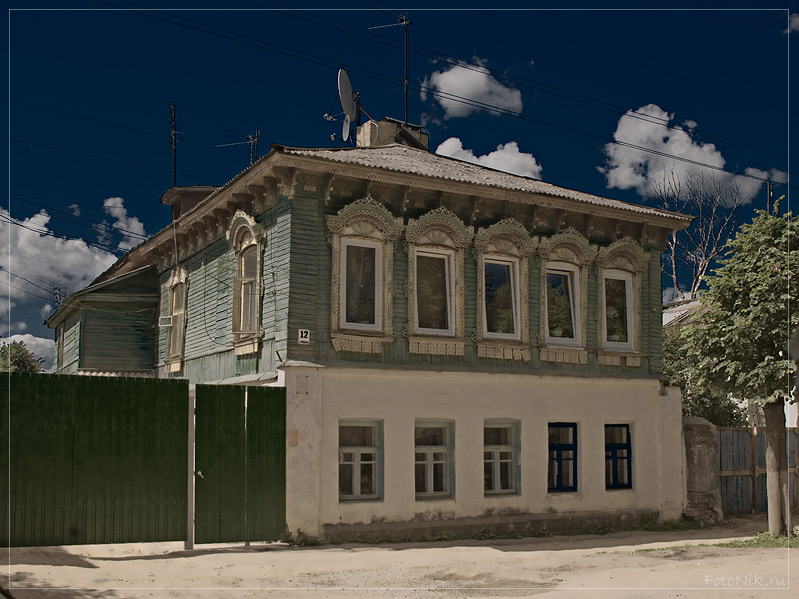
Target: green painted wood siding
x=71, y=346
x=118, y=338
x=208, y=353
x=310, y=297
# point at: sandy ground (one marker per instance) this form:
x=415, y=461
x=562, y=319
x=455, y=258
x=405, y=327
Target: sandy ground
x=609, y=565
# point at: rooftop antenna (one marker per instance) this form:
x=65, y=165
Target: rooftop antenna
x=350, y=105
x=249, y=138
x=401, y=20
x=173, y=143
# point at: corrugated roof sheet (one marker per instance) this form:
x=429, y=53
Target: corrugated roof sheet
x=406, y=160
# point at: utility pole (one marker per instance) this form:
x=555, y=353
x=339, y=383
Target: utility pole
x=173, y=143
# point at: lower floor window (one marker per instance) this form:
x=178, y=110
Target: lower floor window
x=358, y=460
x=433, y=460
x=562, y=469
x=499, y=459
x=618, y=467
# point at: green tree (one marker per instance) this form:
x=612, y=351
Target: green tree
x=15, y=357
x=680, y=368
x=741, y=346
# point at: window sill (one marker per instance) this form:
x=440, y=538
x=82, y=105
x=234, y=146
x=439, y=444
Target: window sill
x=503, y=350
x=613, y=358
x=349, y=500
x=174, y=364
x=566, y=355
x=246, y=346
x=436, y=346
x=361, y=343
x=619, y=488
x=501, y=493
x=433, y=497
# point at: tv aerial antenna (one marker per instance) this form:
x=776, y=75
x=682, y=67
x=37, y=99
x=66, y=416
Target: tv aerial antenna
x=248, y=138
x=404, y=22
x=350, y=106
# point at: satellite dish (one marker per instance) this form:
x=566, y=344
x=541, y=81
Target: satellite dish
x=345, y=130
x=345, y=94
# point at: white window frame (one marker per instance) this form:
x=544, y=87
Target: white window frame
x=514, y=283
x=378, y=275
x=627, y=277
x=449, y=261
x=176, y=330
x=60, y=356
x=240, y=282
x=495, y=450
x=428, y=450
x=358, y=451
x=573, y=271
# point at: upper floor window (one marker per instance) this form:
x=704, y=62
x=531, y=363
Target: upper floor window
x=501, y=297
x=177, y=308
x=362, y=235
x=562, y=303
x=434, y=292
x=246, y=237
x=246, y=292
x=617, y=310
x=361, y=297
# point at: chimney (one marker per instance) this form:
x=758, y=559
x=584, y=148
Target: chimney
x=373, y=134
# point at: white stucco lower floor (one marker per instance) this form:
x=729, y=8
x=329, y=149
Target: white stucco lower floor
x=319, y=399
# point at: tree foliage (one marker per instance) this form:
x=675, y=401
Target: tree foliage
x=680, y=368
x=15, y=357
x=741, y=345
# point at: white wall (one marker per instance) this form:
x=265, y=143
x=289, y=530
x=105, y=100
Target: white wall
x=317, y=398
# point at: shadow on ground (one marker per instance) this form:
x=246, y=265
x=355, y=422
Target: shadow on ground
x=24, y=586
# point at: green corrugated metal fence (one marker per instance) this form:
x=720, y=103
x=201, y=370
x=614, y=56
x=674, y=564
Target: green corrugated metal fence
x=92, y=459
x=240, y=464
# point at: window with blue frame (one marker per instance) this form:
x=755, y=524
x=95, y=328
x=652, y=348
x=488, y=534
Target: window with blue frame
x=562, y=470
x=618, y=457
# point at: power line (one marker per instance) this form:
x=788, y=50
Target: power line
x=518, y=80
x=26, y=291
x=23, y=278
x=52, y=233
x=434, y=92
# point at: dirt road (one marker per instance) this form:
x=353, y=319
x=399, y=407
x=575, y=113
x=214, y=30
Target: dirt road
x=610, y=565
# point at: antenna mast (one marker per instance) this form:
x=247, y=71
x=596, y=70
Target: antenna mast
x=401, y=20
x=173, y=143
x=249, y=138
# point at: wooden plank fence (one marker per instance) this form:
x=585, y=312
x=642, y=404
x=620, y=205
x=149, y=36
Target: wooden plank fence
x=742, y=468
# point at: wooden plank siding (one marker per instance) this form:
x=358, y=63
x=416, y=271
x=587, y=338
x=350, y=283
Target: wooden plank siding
x=71, y=346
x=310, y=280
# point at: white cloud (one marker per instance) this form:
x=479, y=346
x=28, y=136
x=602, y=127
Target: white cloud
x=44, y=260
x=630, y=168
x=39, y=347
x=793, y=23
x=506, y=157
x=130, y=227
x=74, y=209
x=473, y=83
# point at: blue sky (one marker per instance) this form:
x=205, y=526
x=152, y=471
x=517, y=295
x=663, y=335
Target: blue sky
x=89, y=90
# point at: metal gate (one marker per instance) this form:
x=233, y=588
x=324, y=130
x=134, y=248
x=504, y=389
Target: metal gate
x=87, y=459
x=240, y=464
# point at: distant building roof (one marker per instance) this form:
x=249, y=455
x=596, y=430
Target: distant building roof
x=682, y=312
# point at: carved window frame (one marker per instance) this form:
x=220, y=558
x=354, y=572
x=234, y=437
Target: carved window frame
x=439, y=231
x=363, y=222
x=624, y=257
x=244, y=236
x=505, y=241
x=378, y=324
x=174, y=359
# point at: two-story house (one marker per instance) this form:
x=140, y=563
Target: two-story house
x=456, y=342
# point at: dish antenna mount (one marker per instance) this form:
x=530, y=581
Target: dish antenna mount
x=350, y=106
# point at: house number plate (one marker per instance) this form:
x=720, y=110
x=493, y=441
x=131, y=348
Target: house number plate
x=303, y=336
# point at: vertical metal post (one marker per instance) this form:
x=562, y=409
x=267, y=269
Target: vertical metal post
x=190, y=460
x=753, y=435
x=246, y=473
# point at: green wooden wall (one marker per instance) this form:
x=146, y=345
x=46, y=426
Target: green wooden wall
x=310, y=296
